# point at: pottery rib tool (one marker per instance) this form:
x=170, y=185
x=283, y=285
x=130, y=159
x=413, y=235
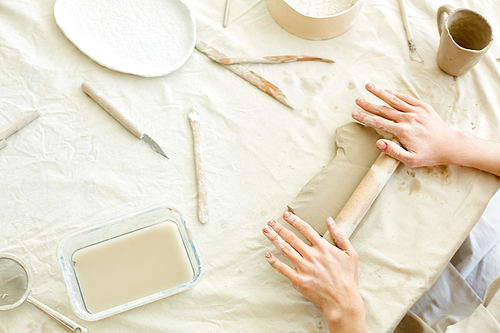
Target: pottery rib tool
x=364, y=195
x=16, y=127
x=194, y=118
x=244, y=73
x=226, y=13
x=409, y=35
x=105, y=103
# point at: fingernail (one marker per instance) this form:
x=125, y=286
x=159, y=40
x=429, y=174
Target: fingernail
x=266, y=229
x=286, y=214
x=268, y=255
x=271, y=223
x=360, y=100
x=370, y=86
x=331, y=221
x=382, y=145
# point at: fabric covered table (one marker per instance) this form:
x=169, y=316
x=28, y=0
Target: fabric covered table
x=75, y=166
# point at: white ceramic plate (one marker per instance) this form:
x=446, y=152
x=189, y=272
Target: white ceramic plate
x=143, y=37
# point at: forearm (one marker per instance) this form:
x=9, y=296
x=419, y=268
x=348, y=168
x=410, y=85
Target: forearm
x=467, y=150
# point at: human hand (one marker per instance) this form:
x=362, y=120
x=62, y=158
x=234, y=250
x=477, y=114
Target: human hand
x=326, y=274
x=425, y=137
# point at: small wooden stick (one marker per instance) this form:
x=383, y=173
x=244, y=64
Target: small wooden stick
x=364, y=195
x=273, y=60
x=260, y=83
x=3, y=144
x=223, y=59
x=19, y=124
x=244, y=73
x=194, y=118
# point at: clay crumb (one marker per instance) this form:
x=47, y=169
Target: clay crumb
x=498, y=59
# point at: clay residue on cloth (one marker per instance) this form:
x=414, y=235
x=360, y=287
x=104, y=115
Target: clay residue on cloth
x=327, y=192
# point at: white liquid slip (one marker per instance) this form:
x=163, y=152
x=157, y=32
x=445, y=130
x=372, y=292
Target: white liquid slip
x=132, y=266
x=128, y=262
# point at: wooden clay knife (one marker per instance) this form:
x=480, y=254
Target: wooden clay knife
x=100, y=99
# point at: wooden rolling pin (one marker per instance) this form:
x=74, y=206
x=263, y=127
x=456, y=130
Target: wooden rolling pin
x=364, y=195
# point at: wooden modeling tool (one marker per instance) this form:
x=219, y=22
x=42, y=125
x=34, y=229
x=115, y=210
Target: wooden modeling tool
x=194, y=118
x=105, y=103
x=364, y=195
x=272, y=60
x=234, y=65
x=244, y=73
x=226, y=13
x=16, y=127
x=414, y=55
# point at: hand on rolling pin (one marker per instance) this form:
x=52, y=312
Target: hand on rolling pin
x=326, y=274
x=425, y=138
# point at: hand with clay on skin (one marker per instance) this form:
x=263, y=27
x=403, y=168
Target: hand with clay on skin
x=326, y=274
x=425, y=137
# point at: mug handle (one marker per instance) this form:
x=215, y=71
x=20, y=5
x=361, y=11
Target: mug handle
x=440, y=16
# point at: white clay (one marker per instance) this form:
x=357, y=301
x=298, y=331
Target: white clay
x=321, y=8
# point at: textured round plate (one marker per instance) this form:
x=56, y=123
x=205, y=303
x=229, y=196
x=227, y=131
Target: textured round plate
x=142, y=37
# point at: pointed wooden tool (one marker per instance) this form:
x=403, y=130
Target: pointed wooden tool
x=244, y=73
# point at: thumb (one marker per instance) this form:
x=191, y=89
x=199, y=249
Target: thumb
x=394, y=150
x=339, y=237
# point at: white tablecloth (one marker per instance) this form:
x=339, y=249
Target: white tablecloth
x=75, y=166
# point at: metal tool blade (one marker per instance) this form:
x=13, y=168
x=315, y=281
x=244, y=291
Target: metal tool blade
x=146, y=138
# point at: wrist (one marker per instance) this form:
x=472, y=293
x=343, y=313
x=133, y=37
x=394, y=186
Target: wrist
x=454, y=151
x=348, y=317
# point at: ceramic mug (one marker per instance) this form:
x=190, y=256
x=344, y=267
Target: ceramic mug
x=465, y=38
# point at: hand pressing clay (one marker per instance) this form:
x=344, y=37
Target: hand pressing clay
x=327, y=192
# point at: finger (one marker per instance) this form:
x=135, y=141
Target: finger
x=339, y=237
x=289, y=237
x=407, y=98
x=376, y=122
x=304, y=228
x=390, y=99
x=397, y=152
x=282, y=246
x=379, y=110
x=282, y=268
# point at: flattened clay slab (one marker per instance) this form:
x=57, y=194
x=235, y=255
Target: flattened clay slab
x=327, y=192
